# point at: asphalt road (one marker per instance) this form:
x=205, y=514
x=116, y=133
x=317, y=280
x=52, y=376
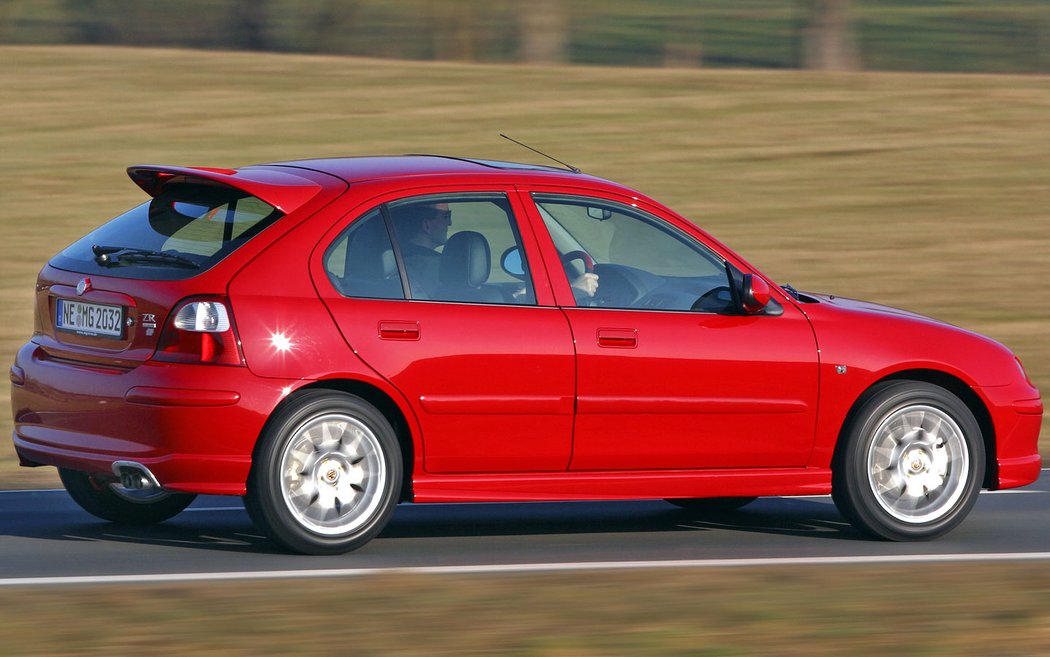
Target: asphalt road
x=46, y=539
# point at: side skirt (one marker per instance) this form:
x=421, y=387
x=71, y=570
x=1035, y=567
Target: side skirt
x=608, y=485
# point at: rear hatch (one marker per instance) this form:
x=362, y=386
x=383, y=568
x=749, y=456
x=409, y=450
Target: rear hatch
x=105, y=299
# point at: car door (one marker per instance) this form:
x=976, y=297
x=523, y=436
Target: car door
x=482, y=356
x=669, y=375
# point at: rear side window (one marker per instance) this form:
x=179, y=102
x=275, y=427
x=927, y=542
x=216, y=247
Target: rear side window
x=449, y=247
x=185, y=230
x=360, y=263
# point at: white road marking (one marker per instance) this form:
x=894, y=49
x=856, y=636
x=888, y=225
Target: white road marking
x=509, y=569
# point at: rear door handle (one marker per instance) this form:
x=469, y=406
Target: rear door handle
x=618, y=338
x=398, y=330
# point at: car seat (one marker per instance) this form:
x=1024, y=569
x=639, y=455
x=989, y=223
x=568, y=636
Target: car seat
x=464, y=269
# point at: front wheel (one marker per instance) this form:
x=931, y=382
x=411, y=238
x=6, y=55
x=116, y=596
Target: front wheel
x=327, y=474
x=113, y=502
x=913, y=463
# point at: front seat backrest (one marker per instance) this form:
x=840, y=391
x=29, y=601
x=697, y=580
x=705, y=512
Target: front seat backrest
x=465, y=265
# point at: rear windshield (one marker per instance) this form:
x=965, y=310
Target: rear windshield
x=186, y=229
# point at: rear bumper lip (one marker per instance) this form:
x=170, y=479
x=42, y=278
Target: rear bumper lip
x=156, y=396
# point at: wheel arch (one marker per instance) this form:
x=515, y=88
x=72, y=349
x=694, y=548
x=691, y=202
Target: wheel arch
x=952, y=384
x=377, y=398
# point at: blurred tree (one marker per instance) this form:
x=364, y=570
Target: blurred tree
x=683, y=41
x=917, y=35
x=544, y=26
x=249, y=22
x=88, y=22
x=452, y=29
x=333, y=25
x=828, y=43
x=1042, y=43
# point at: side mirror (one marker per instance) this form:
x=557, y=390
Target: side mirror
x=511, y=262
x=755, y=295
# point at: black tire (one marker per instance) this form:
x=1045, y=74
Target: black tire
x=912, y=465
x=712, y=504
x=327, y=474
x=253, y=511
x=112, y=502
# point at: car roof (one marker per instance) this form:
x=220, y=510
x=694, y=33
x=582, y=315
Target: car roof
x=360, y=169
x=289, y=185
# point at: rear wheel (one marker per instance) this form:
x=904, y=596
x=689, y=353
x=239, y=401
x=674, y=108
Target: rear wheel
x=327, y=474
x=913, y=464
x=113, y=502
x=712, y=504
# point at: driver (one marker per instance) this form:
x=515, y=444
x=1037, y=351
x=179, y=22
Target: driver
x=584, y=286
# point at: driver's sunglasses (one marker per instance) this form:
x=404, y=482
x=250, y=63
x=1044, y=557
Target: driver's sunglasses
x=444, y=215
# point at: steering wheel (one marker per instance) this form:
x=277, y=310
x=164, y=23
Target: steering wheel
x=588, y=261
x=582, y=299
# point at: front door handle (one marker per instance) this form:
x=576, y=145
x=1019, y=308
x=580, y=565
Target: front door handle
x=618, y=338
x=398, y=330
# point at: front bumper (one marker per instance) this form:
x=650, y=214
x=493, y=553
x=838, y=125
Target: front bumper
x=193, y=426
x=1017, y=414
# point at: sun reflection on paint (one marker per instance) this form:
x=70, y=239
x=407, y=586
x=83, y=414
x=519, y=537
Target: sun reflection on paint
x=281, y=342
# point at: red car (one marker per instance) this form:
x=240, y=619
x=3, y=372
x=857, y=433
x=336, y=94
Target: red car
x=328, y=338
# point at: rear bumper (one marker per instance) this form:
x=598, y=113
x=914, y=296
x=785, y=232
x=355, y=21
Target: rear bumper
x=193, y=426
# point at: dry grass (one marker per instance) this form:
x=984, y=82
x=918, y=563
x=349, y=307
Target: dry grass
x=930, y=192
x=914, y=610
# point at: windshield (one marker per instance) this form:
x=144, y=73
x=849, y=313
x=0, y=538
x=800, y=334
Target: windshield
x=186, y=229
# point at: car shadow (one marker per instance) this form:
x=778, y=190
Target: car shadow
x=779, y=516
x=229, y=529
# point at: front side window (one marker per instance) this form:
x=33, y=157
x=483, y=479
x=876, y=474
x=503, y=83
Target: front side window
x=183, y=231
x=618, y=256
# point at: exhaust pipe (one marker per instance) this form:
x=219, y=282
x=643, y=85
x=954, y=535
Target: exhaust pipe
x=135, y=476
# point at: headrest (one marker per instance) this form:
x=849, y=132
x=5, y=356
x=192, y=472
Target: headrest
x=465, y=260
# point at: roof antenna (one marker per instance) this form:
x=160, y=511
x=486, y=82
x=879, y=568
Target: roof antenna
x=554, y=159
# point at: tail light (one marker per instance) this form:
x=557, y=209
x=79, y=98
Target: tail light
x=200, y=331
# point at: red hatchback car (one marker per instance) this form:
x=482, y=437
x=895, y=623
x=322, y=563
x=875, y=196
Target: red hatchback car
x=328, y=338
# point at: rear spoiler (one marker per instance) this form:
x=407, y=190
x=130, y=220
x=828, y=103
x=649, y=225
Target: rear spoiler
x=285, y=191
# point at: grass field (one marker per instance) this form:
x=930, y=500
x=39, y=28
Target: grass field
x=929, y=192
x=906, y=611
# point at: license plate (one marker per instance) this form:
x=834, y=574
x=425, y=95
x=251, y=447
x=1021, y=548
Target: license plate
x=92, y=319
